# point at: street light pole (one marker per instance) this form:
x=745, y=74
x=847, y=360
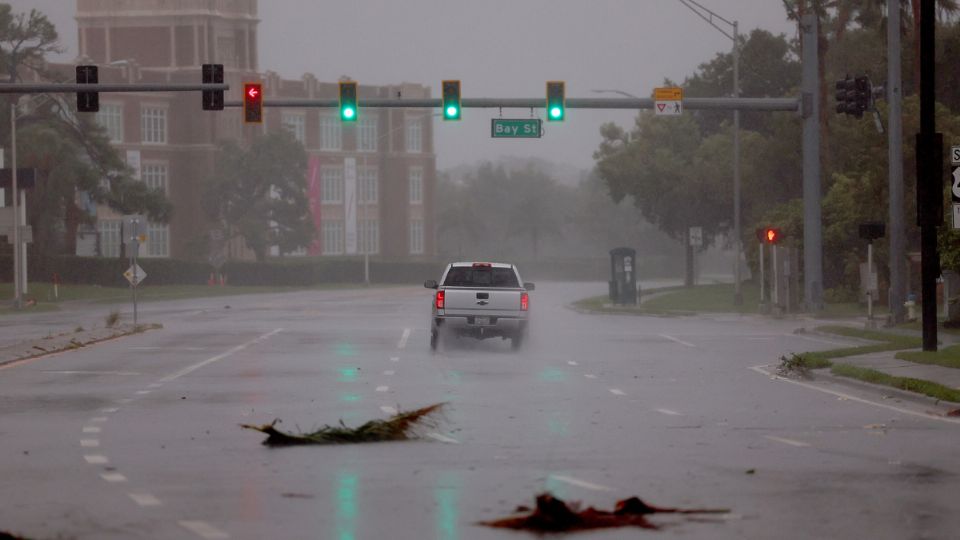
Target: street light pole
x=17, y=290
x=709, y=16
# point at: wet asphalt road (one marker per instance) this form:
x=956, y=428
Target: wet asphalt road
x=140, y=437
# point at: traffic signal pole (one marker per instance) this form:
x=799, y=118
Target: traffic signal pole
x=929, y=177
x=812, y=217
x=897, y=230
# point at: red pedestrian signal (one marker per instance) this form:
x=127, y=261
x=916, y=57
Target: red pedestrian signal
x=253, y=103
x=772, y=235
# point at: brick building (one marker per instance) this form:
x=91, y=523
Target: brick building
x=370, y=184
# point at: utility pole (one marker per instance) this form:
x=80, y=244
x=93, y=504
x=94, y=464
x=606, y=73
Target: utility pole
x=929, y=177
x=898, y=289
x=812, y=220
x=17, y=289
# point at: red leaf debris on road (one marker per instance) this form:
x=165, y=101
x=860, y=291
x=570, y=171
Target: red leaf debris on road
x=555, y=515
x=955, y=412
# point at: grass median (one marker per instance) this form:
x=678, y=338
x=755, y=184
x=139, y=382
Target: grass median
x=803, y=362
x=945, y=357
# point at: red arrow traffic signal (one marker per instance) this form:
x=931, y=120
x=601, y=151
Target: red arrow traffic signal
x=253, y=103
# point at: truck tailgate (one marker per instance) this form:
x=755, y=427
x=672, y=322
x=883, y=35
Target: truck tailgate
x=468, y=301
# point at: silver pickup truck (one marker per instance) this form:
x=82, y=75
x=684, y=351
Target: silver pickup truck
x=480, y=300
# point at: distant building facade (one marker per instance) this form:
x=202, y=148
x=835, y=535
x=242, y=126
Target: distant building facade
x=371, y=184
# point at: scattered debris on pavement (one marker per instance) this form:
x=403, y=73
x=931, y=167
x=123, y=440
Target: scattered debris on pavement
x=554, y=515
x=954, y=412
x=399, y=427
x=794, y=366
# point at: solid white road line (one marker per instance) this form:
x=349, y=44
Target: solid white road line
x=404, y=338
x=96, y=459
x=204, y=530
x=144, y=499
x=668, y=412
x=91, y=429
x=928, y=416
x=580, y=483
x=791, y=442
x=389, y=372
x=388, y=409
x=383, y=388
x=90, y=443
x=113, y=477
x=675, y=340
x=190, y=369
x=617, y=392
x=442, y=438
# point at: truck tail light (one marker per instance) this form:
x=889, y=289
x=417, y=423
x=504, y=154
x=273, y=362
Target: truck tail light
x=439, y=299
x=524, y=302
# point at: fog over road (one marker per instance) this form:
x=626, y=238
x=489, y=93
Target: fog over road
x=140, y=437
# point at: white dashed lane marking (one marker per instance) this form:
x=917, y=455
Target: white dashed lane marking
x=190, y=369
x=580, y=483
x=96, y=459
x=389, y=372
x=403, y=339
x=111, y=410
x=442, y=438
x=113, y=477
x=590, y=376
x=617, y=392
x=668, y=412
x=388, y=409
x=791, y=442
x=144, y=499
x=572, y=363
x=383, y=388
x=394, y=358
x=90, y=443
x=99, y=419
x=142, y=392
x=91, y=429
x=680, y=341
x=204, y=530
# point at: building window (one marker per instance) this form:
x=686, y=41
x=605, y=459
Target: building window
x=110, y=118
x=416, y=185
x=158, y=240
x=109, y=230
x=153, y=125
x=330, y=132
x=331, y=184
x=414, y=135
x=154, y=175
x=367, y=134
x=296, y=124
x=332, y=231
x=416, y=236
x=369, y=185
x=369, y=236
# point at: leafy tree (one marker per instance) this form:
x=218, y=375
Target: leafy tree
x=259, y=194
x=69, y=151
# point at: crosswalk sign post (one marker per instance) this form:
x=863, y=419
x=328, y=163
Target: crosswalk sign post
x=955, y=184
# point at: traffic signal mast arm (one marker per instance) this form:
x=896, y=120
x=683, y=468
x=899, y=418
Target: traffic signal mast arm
x=743, y=104
x=71, y=88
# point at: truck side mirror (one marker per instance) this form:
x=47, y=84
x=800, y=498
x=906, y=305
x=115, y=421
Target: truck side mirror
x=430, y=284
x=529, y=286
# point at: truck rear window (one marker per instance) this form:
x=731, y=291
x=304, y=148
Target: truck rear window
x=465, y=276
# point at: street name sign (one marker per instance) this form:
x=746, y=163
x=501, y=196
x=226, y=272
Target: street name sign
x=516, y=128
x=668, y=101
x=696, y=236
x=955, y=187
x=135, y=275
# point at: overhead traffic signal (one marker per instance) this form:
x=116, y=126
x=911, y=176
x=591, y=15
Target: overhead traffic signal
x=253, y=103
x=854, y=96
x=348, y=101
x=212, y=99
x=451, y=100
x=556, y=101
x=88, y=101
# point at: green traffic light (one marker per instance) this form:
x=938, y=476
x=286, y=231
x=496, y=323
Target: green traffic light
x=556, y=112
x=452, y=111
x=349, y=113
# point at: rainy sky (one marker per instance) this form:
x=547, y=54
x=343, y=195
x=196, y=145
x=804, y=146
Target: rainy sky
x=498, y=48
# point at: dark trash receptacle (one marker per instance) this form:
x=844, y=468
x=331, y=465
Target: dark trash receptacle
x=623, y=276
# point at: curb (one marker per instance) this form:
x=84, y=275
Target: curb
x=73, y=344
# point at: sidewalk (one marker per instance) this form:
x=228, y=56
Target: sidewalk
x=887, y=362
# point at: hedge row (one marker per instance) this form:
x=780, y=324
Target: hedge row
x=108, y=272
